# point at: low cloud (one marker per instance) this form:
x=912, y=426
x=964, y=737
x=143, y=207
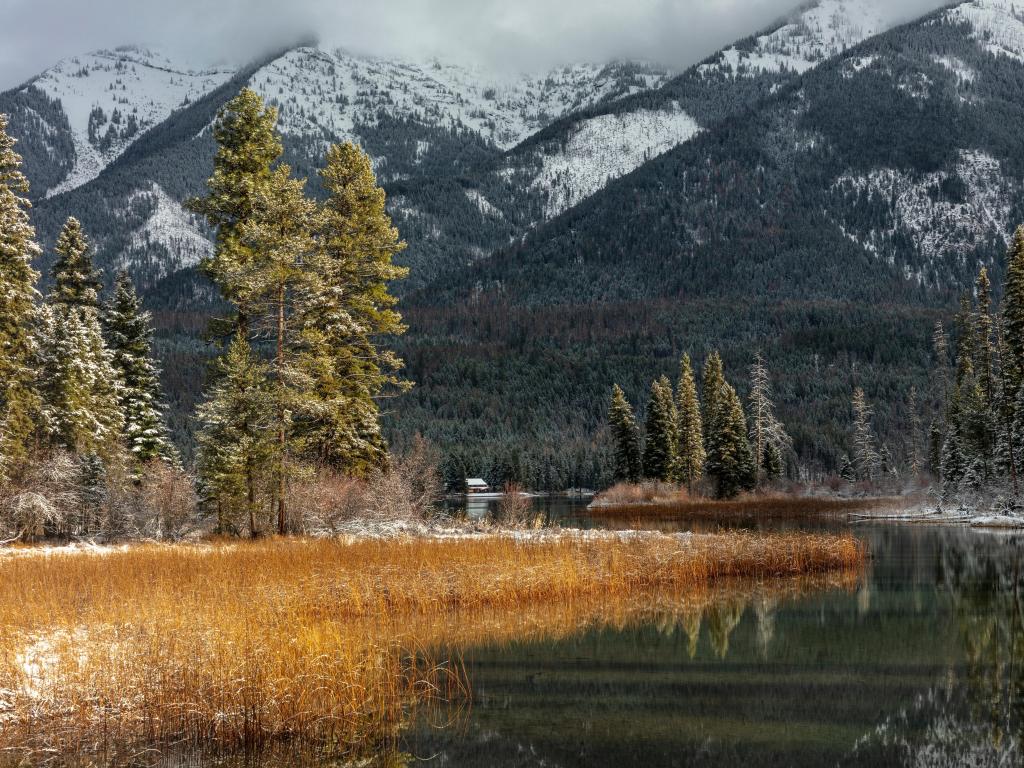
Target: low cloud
x=527, y=34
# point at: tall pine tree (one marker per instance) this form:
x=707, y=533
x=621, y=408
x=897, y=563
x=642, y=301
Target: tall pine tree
x=129, y=337
x=660, y=432
x=626, y=438
x=75, y=282
x=19, y=400
x=348, y=311
x=689, y=467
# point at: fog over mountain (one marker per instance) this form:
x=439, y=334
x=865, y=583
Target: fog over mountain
x=530, y=34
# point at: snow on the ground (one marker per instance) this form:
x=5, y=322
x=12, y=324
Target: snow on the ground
x=606, y=147
x=996, y=521
x=327, y=95
x=138, y=85
x=171, y=226
x=938, y=226
x=998, y=25
x=482, y=203
x=958, y=67
x=817, y=33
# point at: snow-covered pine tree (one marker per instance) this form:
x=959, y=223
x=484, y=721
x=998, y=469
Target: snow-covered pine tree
x=660, y=432
x=76, y=283
x=80, y=387
x=766, y=431
x=19, y=400
x=236, y=440
x=953, y=464
x=348, y=311
x=689, y=467
x=625, y=436
x=865, y=452
x=129, y=337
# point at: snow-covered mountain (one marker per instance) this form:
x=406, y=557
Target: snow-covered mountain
x=818, y=32
x=110, y=98
x=336, y=96
x=591, y=149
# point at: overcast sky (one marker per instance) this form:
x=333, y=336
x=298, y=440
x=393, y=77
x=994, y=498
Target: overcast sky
x=509, y=34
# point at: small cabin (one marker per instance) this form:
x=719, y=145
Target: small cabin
x=476, y=485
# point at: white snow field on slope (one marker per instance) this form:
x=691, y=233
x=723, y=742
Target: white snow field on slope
x=818, y=33
x=998, y=25
x=325, y=95
x=607, y=147
x=132, y=81
x=940, y=228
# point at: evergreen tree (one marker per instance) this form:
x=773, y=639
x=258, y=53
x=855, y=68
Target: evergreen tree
x=19, y=400
x=766, y=431
x=771, y=465
x=80, y=386
x=914, y=452
x=247, y=148
x=940, y=347
x=626, y=437
x=711, y=386
x=279, y=240
x=75, y=282
x=730, y=462
x=953, y=464
x=689, y=467
x=1013, y=315
x=129, y=337
x=237, y=443
x=935, y=441
x=865, y=454
x=660, y=432
x=984, y=349
x=348, y=310
x=975, y=427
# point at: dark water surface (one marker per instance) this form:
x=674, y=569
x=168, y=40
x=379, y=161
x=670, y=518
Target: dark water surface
x=922, y=665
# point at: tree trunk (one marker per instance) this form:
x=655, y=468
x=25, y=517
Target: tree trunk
x=250, y=483
x=282, y=519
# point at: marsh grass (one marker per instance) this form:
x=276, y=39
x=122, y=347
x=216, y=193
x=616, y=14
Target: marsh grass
x=325, y=644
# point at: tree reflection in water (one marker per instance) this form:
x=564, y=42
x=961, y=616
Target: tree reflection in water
x=975, y=717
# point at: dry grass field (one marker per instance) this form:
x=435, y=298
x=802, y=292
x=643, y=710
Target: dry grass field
x=238, y=645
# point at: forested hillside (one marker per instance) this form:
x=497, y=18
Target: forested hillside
x=827, y=227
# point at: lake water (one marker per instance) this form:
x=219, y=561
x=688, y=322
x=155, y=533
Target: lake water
x=922, y=664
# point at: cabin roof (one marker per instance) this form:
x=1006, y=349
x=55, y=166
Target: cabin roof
x=476, y=482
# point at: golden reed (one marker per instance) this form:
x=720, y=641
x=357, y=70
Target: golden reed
x=332, y=643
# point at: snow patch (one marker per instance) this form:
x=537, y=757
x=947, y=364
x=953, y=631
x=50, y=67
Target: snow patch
x=327, y=96
x=997, y=25
x=940, y=227
x=485, y=205
x=818, y=33
x=122, y=94
x=957, y=66
x=606, y=147
x=171, y=226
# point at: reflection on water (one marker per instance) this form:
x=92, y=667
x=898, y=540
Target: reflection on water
x=922, y=664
